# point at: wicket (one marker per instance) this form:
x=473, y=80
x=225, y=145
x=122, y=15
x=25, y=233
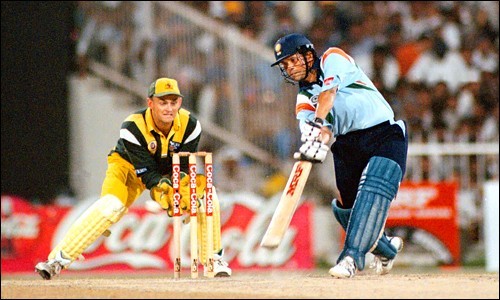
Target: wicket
x=208, y=208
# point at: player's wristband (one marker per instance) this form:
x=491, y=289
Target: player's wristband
x=319, y=121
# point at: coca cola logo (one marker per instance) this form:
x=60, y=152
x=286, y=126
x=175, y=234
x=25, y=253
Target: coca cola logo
x=209, y=178
x=176, y=169
x=192, y=187
x=138, y=239
x=175, y=176
x=134, y=240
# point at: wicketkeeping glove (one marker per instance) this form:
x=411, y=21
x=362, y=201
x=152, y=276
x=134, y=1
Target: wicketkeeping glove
x=184, y=188
x=185, y=202
x=163, y=193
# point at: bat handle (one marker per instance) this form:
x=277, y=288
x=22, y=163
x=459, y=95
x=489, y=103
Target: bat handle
x=300, y=156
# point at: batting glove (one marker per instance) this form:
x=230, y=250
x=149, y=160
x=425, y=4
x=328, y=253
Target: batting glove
x=313, y=151
x=311, y=131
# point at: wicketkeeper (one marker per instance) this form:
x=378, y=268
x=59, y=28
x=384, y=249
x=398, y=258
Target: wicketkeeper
x=142, y=159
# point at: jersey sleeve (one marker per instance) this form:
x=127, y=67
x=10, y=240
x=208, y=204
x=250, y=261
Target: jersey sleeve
x=305, y=109
x=337, y=66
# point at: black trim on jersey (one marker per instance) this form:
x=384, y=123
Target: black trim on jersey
x=151, y=167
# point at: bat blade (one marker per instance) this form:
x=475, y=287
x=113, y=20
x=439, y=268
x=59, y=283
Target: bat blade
x=287, y=205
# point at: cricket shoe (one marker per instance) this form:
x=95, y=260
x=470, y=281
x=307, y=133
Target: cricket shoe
x=52, y=267
x=383, y=265
x=221, y=269
x=346, y=268
x=48, y=269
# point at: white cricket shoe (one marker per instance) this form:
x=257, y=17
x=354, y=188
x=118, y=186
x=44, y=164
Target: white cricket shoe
x=53, y=267
x=48, y=269
x=384, y=265
x=221, y=269
x=346, y=268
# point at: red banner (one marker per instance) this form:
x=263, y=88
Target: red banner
x=429, y=209
x=142, y=240
x=426, y=214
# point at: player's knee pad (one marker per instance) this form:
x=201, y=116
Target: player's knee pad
x=377, y=188
x=89, y=226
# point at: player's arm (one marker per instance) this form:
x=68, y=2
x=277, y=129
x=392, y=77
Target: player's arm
x=133, y=145
x=337, y=66
x=312, y=149
x=325, y=105
x=146, y=168
x=190, y=141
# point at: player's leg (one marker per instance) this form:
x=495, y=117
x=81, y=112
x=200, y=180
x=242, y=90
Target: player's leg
x=384, y=247
x=387, y=247
x=396, y=150
x=86, y=229
x=382, y=264
x=378, y=187
x=96, y=219
x=221, y=267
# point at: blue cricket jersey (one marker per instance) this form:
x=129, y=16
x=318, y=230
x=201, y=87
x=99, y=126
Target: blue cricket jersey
x=357, y=105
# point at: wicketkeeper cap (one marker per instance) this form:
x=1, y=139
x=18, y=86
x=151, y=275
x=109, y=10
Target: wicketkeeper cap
x=164, y=86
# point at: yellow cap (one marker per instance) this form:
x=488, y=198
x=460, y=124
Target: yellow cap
x=164, y=86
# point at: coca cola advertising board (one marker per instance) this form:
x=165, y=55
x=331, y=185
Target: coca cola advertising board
x=141, y=240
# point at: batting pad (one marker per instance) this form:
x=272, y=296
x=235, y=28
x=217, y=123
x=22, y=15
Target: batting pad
x=378, y=186
x=384, y=247
x=89, y=226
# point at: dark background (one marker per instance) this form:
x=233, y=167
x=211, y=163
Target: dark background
x=37, y=57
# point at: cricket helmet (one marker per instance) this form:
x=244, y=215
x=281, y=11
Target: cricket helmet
x=289, y=45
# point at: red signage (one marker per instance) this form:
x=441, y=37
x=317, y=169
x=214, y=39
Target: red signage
x=142, y=240
x=430, y=207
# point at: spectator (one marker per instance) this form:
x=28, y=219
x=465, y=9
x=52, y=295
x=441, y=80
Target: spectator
x=381, y=66
x=422, y=17
x=407, y=53
x=450, y=29
x=229, y=176
x=439, y=64
x=485, y=55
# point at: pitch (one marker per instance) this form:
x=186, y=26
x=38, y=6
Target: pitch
x=403, y=283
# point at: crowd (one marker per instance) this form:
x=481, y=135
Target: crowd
x=436, y=62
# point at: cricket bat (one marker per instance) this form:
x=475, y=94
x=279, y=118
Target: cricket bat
x=287, y=205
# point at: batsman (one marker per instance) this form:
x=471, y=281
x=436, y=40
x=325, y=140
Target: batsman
x=338, y=103
x=142, y=159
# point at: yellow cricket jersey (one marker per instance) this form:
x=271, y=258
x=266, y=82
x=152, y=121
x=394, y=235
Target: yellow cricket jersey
x=149, y=151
